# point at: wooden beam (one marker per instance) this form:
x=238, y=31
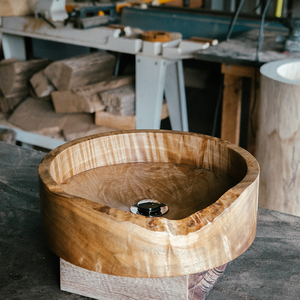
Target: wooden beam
x=231, y=111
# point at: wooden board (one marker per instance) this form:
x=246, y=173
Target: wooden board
x=111, y=241
x=103, y=118
x=80, y=281
x=86, y=99
x=80, y=70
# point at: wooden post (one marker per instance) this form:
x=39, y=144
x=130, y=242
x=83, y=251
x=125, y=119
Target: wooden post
x=232, y=100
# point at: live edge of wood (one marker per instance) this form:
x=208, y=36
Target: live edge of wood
x=111, y=241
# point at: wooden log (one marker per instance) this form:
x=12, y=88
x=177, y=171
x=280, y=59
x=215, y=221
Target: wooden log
x=86, y=99
x=278, y=139
x=41, y=85
x=39, y=117
x=8, y=136
x=87, y=283
x=15, y=75
x=103, y=118
x=119, y=101
x=80, y=70
x=104, y=237
x=7, y=105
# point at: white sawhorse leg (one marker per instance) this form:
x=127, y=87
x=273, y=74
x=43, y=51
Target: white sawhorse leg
x=154, y=75
x=13, y=46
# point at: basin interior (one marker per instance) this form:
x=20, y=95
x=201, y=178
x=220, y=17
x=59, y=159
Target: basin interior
x=185, y=173
x=183, y=188
x=290, y=70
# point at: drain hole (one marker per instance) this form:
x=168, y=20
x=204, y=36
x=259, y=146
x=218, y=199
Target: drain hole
x=149, y=208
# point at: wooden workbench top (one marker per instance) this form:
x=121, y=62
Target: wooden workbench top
x=269, y=269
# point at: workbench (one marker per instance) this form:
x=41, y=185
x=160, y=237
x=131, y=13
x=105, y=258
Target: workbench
x=268, y=270
x=238, y=59
x=155, y=73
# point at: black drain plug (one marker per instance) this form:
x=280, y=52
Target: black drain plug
x=149, y=208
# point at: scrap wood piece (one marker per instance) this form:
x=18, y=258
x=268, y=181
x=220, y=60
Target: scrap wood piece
x=80, y=125
x=86, y=99
x=103, y=118
x=80, y=70
x=8, y=136
x=119, y=101
x=41, y=84
x=39, y=117
x=15, y=75
x=7, y=105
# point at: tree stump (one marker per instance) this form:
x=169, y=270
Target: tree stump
x=278, y=139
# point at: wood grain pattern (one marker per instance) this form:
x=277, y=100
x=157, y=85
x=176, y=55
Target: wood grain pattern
x=80, y=70
x=86, y=98
x=278, y=145
x=119, y=101
x=102, y=286
x=108, y=240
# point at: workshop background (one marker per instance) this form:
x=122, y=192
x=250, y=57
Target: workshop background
x=58, y=83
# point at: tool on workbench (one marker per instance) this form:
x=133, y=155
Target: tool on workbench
x=93, y=16
x=51, y=11
x=292, y=42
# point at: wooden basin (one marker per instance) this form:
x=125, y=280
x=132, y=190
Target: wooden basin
x=87, y=187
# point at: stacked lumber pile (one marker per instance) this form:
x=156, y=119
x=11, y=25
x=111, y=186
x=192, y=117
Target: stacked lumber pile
x=68, y=99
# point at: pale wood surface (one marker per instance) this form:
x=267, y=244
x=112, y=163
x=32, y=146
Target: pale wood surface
x=80, y=70
x=119, y=101
x=278, y=140
x=86, y=98
x=112, y=241
x=102, y=286
x=43, y=120
x=41, y=85
x=15, y=75
x=104, y=118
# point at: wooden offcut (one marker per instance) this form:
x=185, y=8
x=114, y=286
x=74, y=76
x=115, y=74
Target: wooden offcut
x=119, y=101
x=7, y=105
x=15, y=75
x=101, y=235
x=8, y=136
x=80, y=281
x=80, y=70
x=41, y=84
x=38, y=116
x=86, y=98
x=103, y=118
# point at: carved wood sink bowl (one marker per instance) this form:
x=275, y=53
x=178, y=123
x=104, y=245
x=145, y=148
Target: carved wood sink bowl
x=87, y=187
